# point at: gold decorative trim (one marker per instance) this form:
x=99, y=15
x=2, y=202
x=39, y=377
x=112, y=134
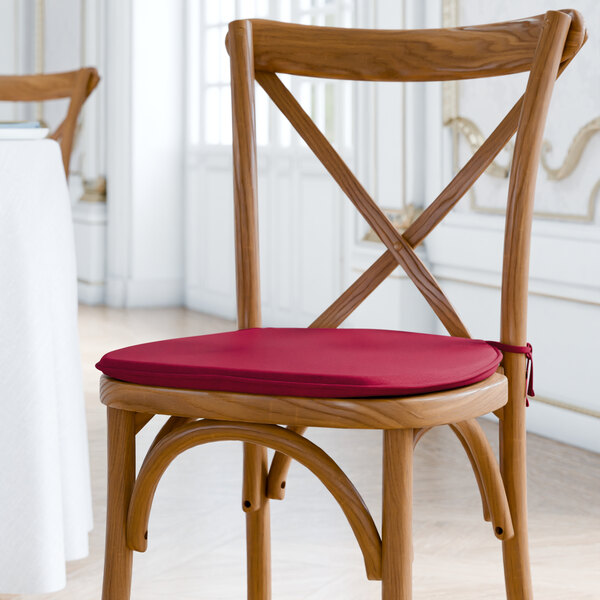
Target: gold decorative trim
x=588, y=412
x=475, y=138
x=574, y=153
x=461, y=125
x=94, y=190
x=401, y=219
x=589, y=216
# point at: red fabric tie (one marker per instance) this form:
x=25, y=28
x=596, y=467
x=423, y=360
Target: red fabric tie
x=528, y=352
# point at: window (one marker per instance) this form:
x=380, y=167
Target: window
x=329, y=103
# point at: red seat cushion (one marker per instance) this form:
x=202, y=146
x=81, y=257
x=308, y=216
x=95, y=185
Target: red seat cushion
x=335, y=363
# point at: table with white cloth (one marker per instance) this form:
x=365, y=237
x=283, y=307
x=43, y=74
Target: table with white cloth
x=45, y=495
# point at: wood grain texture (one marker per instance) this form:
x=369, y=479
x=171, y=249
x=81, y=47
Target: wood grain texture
x=141, y=420
x=278, y=471
x=254, y=478
x=121, y=476
x=436, y=408
x=75, y=85
x=515, y=277
x=425, y=282
x=410, y=55
x=254, y=500
x=487, y=473
x=258, y=552
x=478, y=478
x=244, y=174
x=258, y=522
x=272, y=436
x=396, y=526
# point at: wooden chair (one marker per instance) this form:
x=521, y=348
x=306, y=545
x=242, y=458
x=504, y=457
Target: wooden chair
x=75, y=85
x=259, y=49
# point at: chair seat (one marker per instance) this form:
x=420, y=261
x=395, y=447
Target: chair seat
x=331, y=363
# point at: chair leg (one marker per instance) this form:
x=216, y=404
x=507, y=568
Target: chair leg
x=258, y=548
x=515, y=551
x=121, y=477
x=397, y=551
x=258, y=522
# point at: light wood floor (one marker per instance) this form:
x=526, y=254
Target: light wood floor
x=196, y=535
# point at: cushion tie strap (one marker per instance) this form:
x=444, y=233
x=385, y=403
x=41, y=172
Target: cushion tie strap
x=528, y=352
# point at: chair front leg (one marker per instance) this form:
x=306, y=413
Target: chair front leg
x=258, y=522
x=121, y=477
x=397, y=550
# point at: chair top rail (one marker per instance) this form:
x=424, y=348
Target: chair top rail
x=404, y=55
x=46, y=86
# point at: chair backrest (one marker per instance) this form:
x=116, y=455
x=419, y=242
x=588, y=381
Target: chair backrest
x=259, y=49
x=76, y=85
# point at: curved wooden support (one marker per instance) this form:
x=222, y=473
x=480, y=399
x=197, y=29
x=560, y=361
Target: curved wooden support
x=404, y=412
x=484, y=502
x=141, y=420
x=280, y=465
x=171, y=424
x=272, y=436
x=418, y=434
x=487, y=472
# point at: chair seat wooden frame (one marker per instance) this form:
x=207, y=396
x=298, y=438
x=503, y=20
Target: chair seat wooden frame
x=543, y=45
x=75, y=85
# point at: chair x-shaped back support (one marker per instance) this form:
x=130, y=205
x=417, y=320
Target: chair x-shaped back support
x=543, y=45
x=265, y=48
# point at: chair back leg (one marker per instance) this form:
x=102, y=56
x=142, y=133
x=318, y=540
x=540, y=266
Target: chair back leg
x=396, y=538
x=121, y=478
x=513, y=457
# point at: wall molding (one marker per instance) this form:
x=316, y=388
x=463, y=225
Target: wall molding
x=119, y=143
x=567, y=426
x=464, y=126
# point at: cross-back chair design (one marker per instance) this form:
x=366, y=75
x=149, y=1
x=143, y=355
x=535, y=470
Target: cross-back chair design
x=75, y=85
x=203, y=411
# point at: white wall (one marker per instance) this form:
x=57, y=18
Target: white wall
x=145, y=66
x=466, y=249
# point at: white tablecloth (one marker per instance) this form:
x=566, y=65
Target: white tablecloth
x=45, y=497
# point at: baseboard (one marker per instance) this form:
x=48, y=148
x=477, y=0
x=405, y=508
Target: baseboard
x=211, y=303
x=91, y=293
x=144, y=293
x=115, y=292
x=563, y=425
